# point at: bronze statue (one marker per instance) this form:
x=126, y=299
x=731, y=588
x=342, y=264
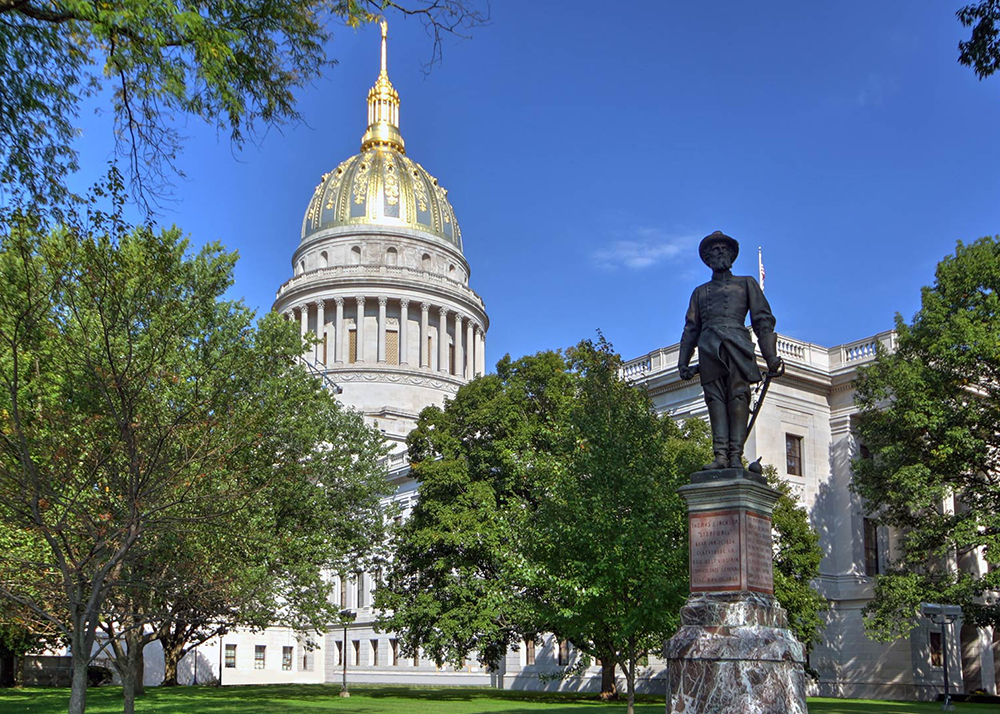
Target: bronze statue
x=716, y=325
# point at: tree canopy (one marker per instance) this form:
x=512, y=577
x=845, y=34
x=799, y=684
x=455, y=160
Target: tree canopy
x=235, y=65
x=140, y=411
x=982, y=50
x=930, y=418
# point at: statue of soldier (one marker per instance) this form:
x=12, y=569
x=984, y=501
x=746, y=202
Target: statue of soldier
x=716, y=325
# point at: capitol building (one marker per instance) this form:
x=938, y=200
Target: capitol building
x=380, y=279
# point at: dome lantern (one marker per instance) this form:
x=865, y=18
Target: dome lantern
x=383, y=110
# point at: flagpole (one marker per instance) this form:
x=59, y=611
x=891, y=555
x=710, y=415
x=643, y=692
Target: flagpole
x=760, y=269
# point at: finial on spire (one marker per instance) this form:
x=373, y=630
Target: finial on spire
x=385, y=29
x=383, y=109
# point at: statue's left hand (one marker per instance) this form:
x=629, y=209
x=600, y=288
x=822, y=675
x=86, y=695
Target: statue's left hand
x=775, y=365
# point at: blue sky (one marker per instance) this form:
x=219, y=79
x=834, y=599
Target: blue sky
x=587, y=150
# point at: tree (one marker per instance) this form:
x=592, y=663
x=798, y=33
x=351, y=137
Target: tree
x=136, y=402
x=982, y=50
x=608, y=541
x=930, y=417
x=233, y=64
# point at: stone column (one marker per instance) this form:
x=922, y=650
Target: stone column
x=733, y=651
x=381, y=328
x=338, y=339
x=404, y=317
x=321, y=331
x=443, y=341
x=360, y=327
x=480, y=350
x=459, y=355
x=470, y=351
x=303, y=319
x=425, y=357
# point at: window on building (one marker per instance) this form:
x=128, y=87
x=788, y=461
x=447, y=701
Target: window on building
x=451, y=359
x=793, y=455
x=343, y=591
x=326, y=340
x=307, y=660
x=340, y=654
x=356, y=255
x=324, y=259
x=937, y=653
x=425, y=262
x=871, y=547
x=359, y=580
x=230, y=656
x=357, y=652
x=391, y=256
x=563, y=652
x=286, y=658
x=529, y=651
x=394, y=646
x=352, y=346
x=392, y=347
x=258, y=656
x=430, y=351
x=374, y=653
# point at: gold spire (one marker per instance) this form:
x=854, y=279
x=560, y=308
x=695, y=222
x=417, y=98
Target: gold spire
x=383, y=110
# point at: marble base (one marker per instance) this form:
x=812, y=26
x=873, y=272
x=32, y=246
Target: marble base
x=734, y=654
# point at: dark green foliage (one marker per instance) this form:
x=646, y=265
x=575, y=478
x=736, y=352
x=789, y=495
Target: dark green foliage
x=982, y=50
x=930, y=415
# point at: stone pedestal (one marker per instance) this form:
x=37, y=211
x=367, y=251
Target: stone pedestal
x=733, y=653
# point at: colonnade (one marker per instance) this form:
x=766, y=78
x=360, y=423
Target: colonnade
x=466, y=333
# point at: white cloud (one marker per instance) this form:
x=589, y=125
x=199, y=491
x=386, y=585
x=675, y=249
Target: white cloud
x=645, y=247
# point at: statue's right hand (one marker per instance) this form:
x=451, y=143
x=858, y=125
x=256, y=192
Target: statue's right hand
x=685, y=372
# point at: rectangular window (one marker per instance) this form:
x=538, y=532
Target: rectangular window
x=258, y=656
x=392, y=347
x=430, y=352
x=286, y=659
x=529, y=651
x=352, y=346
x=357, y=652
x=359, y=580
x=793, y=455
x=343, y=591
x=326, y=340
x=937, y=654
x=374, y=653
x=563, y=652
x=340, y=654
x=307, y=659
x=871, y=548
x=395, y=652
x=230, y=656
x=451, y=359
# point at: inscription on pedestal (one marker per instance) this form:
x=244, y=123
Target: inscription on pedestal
x=715, y=550
x=760, y=576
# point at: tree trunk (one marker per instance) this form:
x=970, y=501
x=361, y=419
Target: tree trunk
x=8, y=667
x=138, y=661
x=630, y=675
x=173, y=652
x=609, y=685
x=80, y=659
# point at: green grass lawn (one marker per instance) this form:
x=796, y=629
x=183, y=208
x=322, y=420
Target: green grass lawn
x=318, y=698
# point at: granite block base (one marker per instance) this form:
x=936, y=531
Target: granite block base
x=734, y=654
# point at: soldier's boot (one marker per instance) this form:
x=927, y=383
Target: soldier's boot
x=739, y=415
x=719, y=416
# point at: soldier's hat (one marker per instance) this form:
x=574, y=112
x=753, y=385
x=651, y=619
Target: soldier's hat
x=712, y=239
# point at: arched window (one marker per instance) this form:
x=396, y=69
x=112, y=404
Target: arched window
x=302, y=267
x=425, y=262
x=391, y=257
x=324, y=260
x=451, y=270
x=356, y=255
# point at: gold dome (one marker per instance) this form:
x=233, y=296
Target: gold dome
x=381, y=185
x=384, y=187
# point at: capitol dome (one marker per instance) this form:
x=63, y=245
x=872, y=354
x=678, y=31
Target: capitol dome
x=380, y=282
x=382, y=186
